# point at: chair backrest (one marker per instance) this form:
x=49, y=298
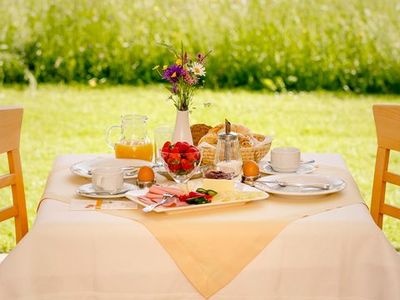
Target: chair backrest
x=387, y=122
x=10, y=128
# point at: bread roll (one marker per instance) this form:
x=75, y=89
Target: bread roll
x=211, y=138
x=259, y=137
x=217, y=128
x=245, y=140
x=198, y=131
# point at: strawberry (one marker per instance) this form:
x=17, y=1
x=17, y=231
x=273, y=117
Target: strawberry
x=197, y=156
x=180, y=157
x=195, y=198
x=175, y=167
x=175, y=148
x=183, y=146
x=166, y=147
x=186, y=165
x=195, y=194
x=192, y=156
x=164, y=155
x=173, y=158
x=183, y=198
x=192, y=149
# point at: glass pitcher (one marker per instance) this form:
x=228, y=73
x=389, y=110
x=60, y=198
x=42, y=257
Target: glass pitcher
x=227, y=155
x=133, y=141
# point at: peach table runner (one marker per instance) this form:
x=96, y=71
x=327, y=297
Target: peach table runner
x=212, y=246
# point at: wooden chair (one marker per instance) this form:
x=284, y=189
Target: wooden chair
x=387, y=122
x=10, y=128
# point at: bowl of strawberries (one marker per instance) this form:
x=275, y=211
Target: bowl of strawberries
x=181, y=160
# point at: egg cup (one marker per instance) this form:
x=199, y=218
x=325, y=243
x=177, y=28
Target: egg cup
x=249, y=179
x=144, y=184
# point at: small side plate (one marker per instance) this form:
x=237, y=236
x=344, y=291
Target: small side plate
x=87, y=190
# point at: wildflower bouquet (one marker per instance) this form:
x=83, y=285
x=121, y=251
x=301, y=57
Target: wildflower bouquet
x=185, y=75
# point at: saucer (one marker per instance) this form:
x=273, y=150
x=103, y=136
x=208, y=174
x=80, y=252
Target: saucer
x=303, y=169
x=87, y=190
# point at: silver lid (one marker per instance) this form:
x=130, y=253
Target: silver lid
x=231, y=136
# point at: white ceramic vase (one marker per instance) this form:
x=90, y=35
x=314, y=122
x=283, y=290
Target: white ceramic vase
x=182, y=131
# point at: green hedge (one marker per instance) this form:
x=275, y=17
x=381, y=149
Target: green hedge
x=277, y=45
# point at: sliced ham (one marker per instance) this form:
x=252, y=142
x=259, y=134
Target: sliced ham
x=181, y=203
x=175, y=202
x=170, y=204
x=146, y=200
x=156, y=197
x=156, y=189
x=173, y=191
x=156, y=193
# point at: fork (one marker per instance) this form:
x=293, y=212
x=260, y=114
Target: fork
x=165, y=199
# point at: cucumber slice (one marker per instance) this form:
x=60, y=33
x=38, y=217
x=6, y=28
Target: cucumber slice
x=211, y=192
x=201, y=190
x=199, y=200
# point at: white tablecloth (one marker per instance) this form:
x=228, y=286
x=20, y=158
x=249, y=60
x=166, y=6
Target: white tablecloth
x=339, y=254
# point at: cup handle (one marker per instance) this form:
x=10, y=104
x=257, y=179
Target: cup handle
x=108, y=132
x=97, y=181
x=100, y=181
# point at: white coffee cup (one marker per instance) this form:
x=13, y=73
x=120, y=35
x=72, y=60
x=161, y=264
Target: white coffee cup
x=285, y=159
x=108, y=179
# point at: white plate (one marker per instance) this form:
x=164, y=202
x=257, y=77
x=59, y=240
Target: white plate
x=87, y=190
x=303, y=169
x=238, y=186
x=336, y=184
x=83, y=168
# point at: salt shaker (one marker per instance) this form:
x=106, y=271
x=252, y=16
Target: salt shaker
x=227, y=154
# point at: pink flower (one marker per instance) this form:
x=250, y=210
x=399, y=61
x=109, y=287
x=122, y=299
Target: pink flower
x=191, y=80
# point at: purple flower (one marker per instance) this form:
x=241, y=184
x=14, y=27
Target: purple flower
x=173, y=73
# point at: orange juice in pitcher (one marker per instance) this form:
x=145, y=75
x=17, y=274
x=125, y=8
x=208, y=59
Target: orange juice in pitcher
x=138, y=151
x=133, y=141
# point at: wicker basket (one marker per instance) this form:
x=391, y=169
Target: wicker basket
x=248, y=153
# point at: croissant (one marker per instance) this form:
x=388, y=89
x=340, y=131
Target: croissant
x=210, y=138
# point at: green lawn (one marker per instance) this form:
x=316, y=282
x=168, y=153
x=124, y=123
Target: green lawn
x=63, y=119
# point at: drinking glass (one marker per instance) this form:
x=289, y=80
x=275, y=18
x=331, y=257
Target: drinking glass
x=162, y=134
x=181, y=166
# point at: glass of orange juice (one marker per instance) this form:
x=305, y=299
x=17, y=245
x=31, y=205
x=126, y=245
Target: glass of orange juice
x=133, y=140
